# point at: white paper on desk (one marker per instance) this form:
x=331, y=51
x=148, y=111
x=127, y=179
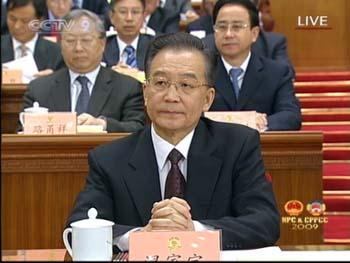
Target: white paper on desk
x=238, y=255
x=26, y=64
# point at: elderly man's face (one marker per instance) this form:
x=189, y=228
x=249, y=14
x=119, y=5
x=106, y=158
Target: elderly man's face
x=59, y=8
x=82, y=47
x=127, y=18
x=18, y=20
x=175, y=110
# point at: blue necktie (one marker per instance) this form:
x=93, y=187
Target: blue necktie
x=84, y=96
x=175, y=181
x=234, y=74
x=131, y=59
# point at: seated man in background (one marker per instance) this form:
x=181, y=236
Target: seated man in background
x=100, y=96
x=268, y=44
x=182, y=172
x=181, y=7
x=245, y=80
x=24, y=40
x=127, y=49
x=159, y=20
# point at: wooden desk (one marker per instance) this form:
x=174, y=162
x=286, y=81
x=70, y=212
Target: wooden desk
x=61, y=254
x=11, y=103
x=42, y=175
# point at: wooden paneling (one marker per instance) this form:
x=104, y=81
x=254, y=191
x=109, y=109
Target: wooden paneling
x=315, y=49
x=11, y=103
x=42, y=175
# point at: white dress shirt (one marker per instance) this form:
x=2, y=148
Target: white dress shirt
x=243, y=66
x=123, y=56
x=30, y=46
x=75, y=86
x=162, y=149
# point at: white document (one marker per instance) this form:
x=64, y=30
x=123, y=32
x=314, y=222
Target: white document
x=249, y=254
x=198, y=33
x=26, y=64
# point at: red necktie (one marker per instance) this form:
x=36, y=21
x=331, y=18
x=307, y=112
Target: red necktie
x=175, y=182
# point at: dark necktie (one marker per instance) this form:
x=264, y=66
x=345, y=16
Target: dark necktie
x=84, y=96
x=131, y=59
x=234, y=74
x=175, y=182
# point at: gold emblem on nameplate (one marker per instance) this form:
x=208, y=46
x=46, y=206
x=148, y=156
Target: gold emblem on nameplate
x=174, y=243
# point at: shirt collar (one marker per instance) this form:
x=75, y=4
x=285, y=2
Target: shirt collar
x=30, y=44
x=163, y=148
x=243, y=66
x=92, y=75
x=122, y=45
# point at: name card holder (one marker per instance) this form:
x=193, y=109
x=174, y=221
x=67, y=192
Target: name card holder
x=11, y=76
x=175, y=246
x=52, y=123
x=246, y=118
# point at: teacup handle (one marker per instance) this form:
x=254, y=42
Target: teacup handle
x=65, y=240
x=21, y=115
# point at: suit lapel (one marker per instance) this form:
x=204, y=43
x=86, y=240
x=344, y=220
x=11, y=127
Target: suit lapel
x=100, y=92
x=60, y=91
x=202, y=172
x=7, y=53
x=143, y=181
x=251, y=82
x=141, y=51
x=223, y=85
x=39, y=52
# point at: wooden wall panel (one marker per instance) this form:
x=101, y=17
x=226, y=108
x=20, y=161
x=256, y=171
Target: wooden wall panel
x=318, y=49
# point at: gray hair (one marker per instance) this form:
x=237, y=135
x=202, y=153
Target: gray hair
x=78, y=13
x=181, y=41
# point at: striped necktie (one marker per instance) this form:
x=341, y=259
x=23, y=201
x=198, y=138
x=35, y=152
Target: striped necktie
x=131, y=59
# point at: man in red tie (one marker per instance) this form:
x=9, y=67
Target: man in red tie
x=183, y=172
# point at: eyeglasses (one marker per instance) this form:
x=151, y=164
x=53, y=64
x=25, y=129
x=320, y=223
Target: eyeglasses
x=124, y=12
x=224, y=27
x=185, y=86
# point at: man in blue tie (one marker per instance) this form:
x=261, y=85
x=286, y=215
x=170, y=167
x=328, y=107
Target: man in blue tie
x=126, y=50
x=99, y=95
x=246, y=81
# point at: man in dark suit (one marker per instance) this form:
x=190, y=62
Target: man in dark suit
x=23, y=40
x=100, y=96
x=245, y=81
x=183, y=172
x=162, y=21
x=127, y=49
x=181, y=7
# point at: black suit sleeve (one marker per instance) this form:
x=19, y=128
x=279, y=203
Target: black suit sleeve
x=286, y=107
x=133, y=116
x=256, y=220
x=280, y=54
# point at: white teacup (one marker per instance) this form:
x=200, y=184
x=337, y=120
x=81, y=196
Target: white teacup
x=92, y=239
x=32, y=110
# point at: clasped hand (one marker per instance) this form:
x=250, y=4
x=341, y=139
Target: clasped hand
x=170, y=215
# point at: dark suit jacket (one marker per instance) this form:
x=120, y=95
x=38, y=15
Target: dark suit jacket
x=268, y=44
x=115, y=96
x=47, y=55
x=267, y=88
x=164, y=21
x=226, y=187
x=202, y=23
x=4, y=28
x=112, y=52
x=178, y=6
x=99, y=7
